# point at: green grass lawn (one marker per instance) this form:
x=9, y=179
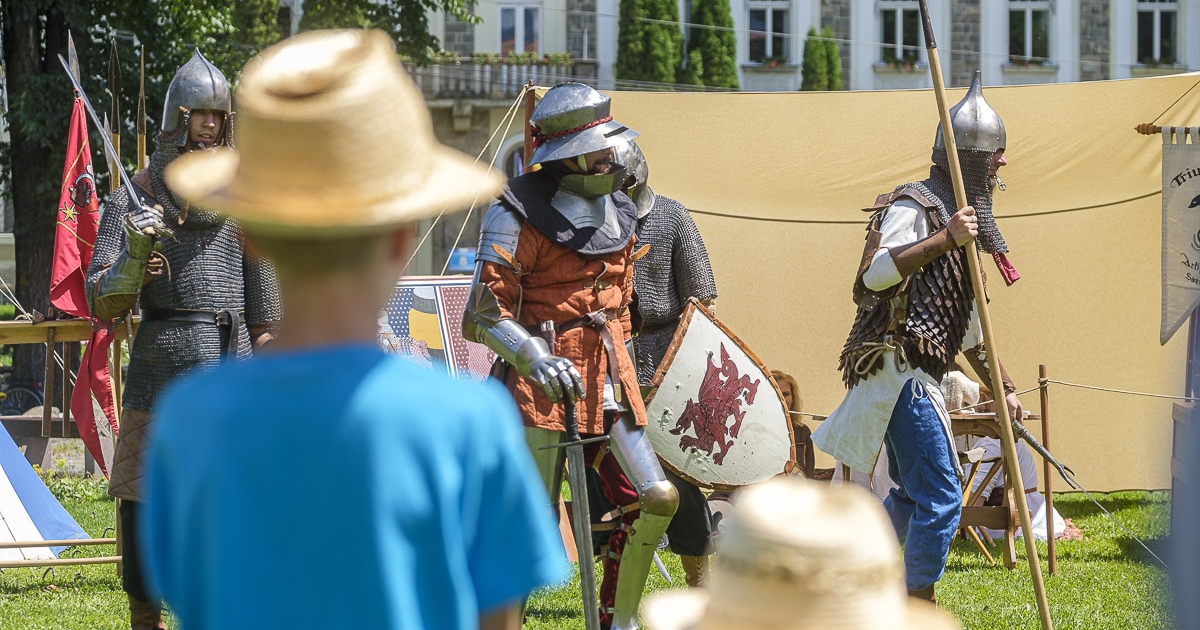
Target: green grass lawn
x=1103, y=581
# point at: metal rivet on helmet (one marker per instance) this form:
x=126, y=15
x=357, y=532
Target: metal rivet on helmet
x=976, y=124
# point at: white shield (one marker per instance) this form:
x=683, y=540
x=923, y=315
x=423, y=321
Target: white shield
x=715, y=416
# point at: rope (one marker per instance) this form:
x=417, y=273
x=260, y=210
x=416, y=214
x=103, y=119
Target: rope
x=1176, y=102
x=1117, y=391
x=863, y=221
x=511, y=116
x=424, y=238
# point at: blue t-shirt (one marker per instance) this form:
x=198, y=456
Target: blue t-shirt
x=342, y=487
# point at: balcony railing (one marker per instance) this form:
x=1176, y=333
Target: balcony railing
x=467, y=79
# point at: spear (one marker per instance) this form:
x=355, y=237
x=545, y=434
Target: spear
x=141, y=113
x=1012, y=468
x=114, y=90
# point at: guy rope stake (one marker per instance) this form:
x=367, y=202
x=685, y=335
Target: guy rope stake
x=1011, y=467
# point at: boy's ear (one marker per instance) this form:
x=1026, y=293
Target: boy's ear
x=252, y=248
x=400, y=244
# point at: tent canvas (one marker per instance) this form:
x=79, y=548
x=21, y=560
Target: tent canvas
x=28, y=512
x=790, y=171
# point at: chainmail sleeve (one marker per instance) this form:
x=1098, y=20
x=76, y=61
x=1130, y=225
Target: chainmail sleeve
x=110, y=242
x=264, y=311
x=691, y=268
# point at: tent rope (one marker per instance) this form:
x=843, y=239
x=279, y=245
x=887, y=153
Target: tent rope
x=424, y=238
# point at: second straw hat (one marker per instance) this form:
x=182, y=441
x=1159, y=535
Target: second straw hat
x=333, y=139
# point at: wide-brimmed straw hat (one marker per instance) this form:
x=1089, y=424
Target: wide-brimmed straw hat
x=798, y=555
x=333, y=139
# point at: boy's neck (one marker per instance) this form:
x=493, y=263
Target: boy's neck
x=332, y=311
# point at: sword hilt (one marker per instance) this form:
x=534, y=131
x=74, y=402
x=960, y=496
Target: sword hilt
x=571, y=420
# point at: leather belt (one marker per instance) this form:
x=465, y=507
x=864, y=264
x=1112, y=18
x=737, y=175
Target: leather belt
x=598, y=321
x=227, y=321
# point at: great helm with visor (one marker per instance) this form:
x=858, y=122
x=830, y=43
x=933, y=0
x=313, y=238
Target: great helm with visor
x=573, y=119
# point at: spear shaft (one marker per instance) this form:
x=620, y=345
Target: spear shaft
x=141, y=113
x=1011, y=468
x=114, y=89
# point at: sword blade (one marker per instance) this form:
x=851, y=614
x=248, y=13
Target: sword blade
x=577, y=480
x=95, y=121
x=1068, y=476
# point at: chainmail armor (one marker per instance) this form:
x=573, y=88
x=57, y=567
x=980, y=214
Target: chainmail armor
x=675, y=268
x=207, y=272
x=939, y=298
x=975, y=164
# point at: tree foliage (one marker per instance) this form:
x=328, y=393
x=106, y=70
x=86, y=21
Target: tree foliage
x=833, y=55
x=650, y=43
x=406, y=20
x=814, y=70
x=693, y=73
x=717, y=45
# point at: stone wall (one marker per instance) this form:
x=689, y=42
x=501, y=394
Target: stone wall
x=1093, y=40
x=963, y=41
x=459, y=37
x=581, y=18
x=836, y=15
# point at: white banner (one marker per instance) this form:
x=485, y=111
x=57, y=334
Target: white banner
x=1180, y=227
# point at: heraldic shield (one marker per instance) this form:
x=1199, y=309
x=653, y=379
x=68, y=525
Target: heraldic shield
x=714, y=414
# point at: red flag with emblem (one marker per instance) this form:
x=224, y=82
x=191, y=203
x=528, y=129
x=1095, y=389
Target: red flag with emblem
x=78, y=219
x=74, y=237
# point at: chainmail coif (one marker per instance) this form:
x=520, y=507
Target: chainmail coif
x=976, y=164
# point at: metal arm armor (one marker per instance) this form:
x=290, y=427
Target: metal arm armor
x=501, y=227
x=484, y=323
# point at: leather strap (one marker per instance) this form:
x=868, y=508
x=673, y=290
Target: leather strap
x=598, y=321
x=228, y=322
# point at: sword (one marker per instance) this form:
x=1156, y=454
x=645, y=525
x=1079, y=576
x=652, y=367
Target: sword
x=1068, y=476
x=582, y=518
x=125, y=181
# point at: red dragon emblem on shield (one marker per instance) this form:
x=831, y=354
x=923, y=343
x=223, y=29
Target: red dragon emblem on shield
x=719, y=400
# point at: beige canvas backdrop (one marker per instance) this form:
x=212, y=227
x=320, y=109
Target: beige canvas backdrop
x=1088, y=301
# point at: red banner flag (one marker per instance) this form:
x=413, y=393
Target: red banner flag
x=78, y=219
x=74, y=239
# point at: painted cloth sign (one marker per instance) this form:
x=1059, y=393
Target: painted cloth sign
x=1181, y=227
x=423, y=321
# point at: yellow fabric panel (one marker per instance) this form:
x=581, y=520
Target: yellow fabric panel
x=425, y=327
x=1088, y=301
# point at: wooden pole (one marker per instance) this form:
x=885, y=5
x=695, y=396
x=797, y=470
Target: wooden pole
x=66, y=388
x=1006, y=434
x=48, y=385
x=141, y=116
x=530, y=104
x=1044, y=391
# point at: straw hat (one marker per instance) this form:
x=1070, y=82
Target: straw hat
x=333, y=139
x=798, y=555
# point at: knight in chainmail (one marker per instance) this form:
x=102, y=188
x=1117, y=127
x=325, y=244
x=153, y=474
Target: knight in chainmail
x=916, y=313
x=201, y=298
x=675, y=268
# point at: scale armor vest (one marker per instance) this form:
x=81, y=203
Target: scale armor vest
x=207, y=272
x=931, y=318
x=675, y=268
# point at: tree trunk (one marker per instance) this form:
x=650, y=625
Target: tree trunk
x=35, y=170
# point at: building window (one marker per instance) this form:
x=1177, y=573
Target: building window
x=900, y=24
x=520, y=27
x=1157, y=32
x=1028, y=31
x=768, y=32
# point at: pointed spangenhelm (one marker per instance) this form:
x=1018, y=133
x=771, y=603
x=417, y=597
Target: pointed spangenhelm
x=573, y=119
x=976, y=124
x=197, y=85
x=630, y=156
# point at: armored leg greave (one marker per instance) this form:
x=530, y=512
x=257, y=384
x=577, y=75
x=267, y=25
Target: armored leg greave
x=549, y=461
x=657, y=500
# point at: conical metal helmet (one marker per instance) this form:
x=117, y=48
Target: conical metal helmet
x=976, y=124
x=197, y=85
x=573, y=119
x=630, y=156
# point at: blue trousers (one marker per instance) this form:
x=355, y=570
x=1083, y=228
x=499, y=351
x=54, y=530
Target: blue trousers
x=927, y=503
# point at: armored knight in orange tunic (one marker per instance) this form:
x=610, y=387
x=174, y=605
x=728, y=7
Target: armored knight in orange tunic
x=553, y=286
